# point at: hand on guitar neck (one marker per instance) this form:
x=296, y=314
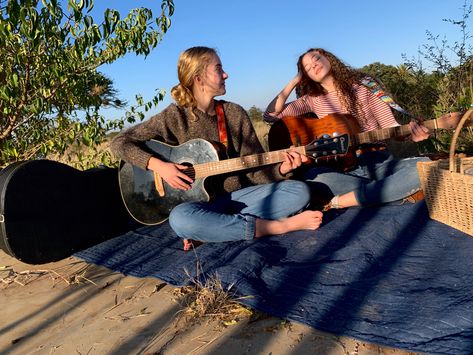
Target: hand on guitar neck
x=420, y=132
x=292, y=160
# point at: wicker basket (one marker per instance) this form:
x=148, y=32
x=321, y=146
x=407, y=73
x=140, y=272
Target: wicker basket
x=448, y=186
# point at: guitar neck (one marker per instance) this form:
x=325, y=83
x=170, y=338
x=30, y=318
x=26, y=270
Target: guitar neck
x=242, y=163
x=386, y=133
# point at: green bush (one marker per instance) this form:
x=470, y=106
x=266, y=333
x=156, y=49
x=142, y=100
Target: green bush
x=50, y=87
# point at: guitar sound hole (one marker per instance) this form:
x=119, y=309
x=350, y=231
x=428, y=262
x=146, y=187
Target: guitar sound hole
x=190, y=171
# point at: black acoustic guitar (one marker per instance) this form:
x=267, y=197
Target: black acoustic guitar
x=49, y=210
x=149, y=199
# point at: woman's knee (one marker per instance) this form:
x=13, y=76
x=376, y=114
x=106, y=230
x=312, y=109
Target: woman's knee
x=409, y=168
x=296, y=190
x=180, y=218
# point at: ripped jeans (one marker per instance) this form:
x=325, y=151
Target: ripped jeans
x=378, y=179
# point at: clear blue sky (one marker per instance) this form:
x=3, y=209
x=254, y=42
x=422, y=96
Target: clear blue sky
x=259, y=41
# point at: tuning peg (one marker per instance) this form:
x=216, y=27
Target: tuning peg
x=325, y=136
x=335, y=134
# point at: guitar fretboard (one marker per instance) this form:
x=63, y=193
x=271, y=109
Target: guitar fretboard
x=242, y=163
x=385, y=133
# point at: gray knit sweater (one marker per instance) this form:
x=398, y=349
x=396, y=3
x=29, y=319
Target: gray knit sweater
x=175, y=126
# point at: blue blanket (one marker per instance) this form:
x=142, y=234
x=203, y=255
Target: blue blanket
x=386, y=275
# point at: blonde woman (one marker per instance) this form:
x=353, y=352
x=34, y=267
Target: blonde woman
x=249, y=204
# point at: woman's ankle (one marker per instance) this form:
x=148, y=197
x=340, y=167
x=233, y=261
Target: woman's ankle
x=342, y=201
x=333, y=204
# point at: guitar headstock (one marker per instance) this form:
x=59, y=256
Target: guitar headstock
x=326, y=147
x=450, y=120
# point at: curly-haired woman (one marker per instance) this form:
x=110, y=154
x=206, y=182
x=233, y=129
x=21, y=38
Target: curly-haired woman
x=325, y=85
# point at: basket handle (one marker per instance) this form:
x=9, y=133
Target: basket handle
x=453, y=144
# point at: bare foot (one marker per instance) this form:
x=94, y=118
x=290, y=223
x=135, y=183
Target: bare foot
x=305, y=220
x=190, y=244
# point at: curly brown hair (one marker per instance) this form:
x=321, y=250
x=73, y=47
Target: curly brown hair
x=345, y=80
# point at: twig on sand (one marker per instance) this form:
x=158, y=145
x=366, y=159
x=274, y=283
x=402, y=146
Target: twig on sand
x=123, y=317
x=206, y=343
x=24, y=277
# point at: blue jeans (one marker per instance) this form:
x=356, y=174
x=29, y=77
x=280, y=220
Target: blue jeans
x=232, y=216
x=378, y=179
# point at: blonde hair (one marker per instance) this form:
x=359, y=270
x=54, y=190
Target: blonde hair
x=192, y=61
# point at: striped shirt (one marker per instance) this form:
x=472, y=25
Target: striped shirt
x=377, y=113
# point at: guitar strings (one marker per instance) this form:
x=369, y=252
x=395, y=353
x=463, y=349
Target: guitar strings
x=233, y=164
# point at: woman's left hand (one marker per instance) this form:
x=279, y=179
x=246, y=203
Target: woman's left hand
x=419, y=132
x=292, y=160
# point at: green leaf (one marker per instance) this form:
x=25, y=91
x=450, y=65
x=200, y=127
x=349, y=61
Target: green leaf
x=90, y=5
x=15, y=79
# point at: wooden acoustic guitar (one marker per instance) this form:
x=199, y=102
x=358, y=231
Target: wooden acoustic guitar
x=149, y=199
x=294, y=130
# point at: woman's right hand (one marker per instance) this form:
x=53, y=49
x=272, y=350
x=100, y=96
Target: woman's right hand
x=292, y=160
x=296, y=80
x=171, y=173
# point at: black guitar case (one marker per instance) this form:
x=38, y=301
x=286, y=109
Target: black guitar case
x=49, y=210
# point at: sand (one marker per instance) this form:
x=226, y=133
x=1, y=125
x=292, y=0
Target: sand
x=71, y=307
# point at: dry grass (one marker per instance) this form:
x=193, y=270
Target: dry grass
x=262, y=129
x=83, y=157
x=209, y=300
x=202, y=301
